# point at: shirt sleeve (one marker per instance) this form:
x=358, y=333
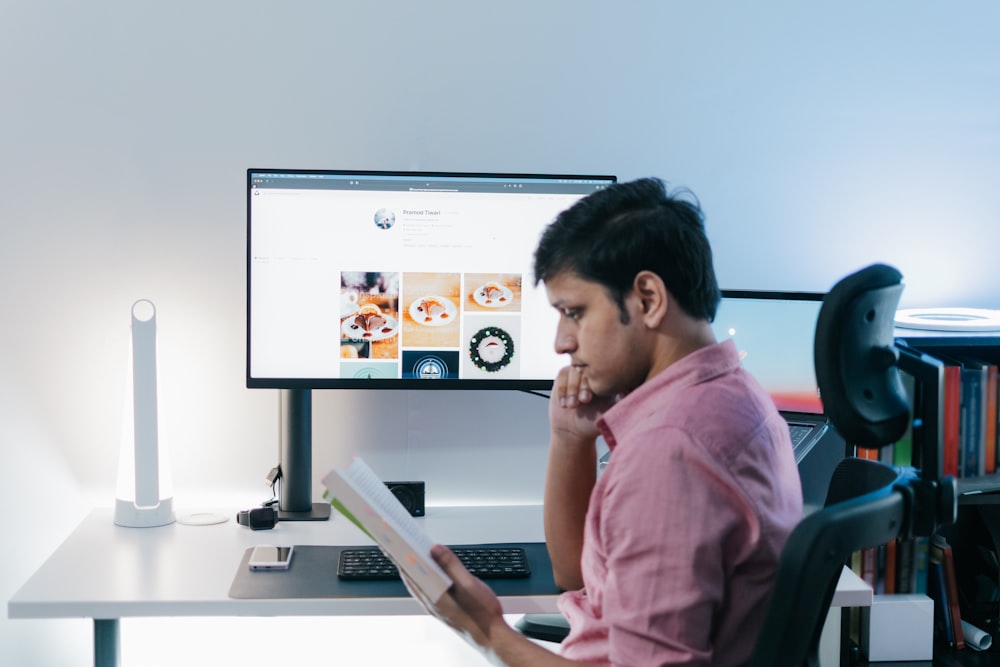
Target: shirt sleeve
x=672, y=522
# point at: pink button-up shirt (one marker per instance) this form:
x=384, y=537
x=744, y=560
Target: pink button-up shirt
x=686, y=524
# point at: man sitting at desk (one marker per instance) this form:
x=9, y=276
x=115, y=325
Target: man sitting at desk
x=668, y=557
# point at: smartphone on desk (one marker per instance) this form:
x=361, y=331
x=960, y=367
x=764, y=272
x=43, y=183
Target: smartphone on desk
x=268, y=557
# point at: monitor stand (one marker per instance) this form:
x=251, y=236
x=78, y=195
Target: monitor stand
x=295, y=485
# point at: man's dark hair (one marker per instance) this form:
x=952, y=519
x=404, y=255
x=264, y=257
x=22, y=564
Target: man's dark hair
x=611, y=235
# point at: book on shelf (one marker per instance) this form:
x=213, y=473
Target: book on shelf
x=906, y=572
x=889, y=568
x=936, y=591
x=970, y=416
x=869, y=453
x=899, y=566
x=983, y=407
x=952, y=417
x=972, y=426
x=974, y=379
x=869, y=567
x=942, y=562
x=359, y=494
x=992, y=416
x=921, y=563
x=971, y=407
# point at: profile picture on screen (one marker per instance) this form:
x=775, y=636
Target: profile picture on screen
x=385, y=218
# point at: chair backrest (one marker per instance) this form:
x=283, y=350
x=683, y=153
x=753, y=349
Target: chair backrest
x=855, y=358
x=815, y=555
x=867, y=504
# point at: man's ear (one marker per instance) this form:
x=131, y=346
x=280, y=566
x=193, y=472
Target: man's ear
x=654, y=300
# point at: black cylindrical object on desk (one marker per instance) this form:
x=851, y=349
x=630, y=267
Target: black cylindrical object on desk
x=295, y=457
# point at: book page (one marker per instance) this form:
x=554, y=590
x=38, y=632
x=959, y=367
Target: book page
x=362, y=497
x=381, y=497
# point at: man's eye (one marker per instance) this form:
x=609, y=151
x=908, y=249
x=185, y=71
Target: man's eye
x=571, y=313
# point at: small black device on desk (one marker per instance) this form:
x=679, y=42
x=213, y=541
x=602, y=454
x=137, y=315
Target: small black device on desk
x=486, y=562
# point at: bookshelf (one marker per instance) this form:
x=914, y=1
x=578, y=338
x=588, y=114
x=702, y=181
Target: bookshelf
x=973, y=425
x=976, y=487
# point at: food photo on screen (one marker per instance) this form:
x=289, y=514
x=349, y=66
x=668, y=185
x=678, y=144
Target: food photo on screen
x=493, y=292
x=373, y=315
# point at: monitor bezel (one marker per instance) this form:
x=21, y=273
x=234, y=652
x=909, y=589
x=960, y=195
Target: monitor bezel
x=525, y=384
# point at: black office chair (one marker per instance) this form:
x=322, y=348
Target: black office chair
x=868, y=503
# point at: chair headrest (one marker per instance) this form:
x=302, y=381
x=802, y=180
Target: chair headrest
x=856, y=358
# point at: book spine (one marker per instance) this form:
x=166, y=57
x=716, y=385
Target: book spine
x=952, y=415
x=879, y=587
x=946, y=586
x=868, y=453
x=992, y=394
x=921, y=564
x=891, y=567
x=951, y=586
x=972, y=397
x=869, y=566
x=902, y=449
x=981, y=402
x=906, y=571
x=936, y=590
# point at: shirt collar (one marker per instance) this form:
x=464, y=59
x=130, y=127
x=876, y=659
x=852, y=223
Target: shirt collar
x=699, y=366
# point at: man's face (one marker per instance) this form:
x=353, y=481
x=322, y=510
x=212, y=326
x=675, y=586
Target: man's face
x=610, y=354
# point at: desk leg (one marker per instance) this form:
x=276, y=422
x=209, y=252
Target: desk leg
x=830, y=639
x=107, y=648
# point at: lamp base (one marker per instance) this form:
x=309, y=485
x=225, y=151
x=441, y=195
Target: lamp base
x=129, y=515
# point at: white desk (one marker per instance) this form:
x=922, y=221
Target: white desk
x=106, y=572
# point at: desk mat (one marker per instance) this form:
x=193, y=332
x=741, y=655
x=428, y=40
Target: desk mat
x=313, y=574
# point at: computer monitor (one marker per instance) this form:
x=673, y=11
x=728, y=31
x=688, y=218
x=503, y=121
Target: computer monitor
x=774, y=333
x=400, y=279
x=392, y=280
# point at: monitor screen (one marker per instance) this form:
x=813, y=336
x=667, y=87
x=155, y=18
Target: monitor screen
x=400, y=279
x=774, y=333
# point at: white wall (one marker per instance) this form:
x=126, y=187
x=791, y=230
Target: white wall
x=819, y=138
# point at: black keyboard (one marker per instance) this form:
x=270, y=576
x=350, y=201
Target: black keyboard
x=486, y=562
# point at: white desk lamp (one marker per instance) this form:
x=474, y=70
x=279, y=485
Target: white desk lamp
x=144, y=497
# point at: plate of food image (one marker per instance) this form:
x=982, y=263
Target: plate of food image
x=433, y=311
x=493, y=295
x=369, y=323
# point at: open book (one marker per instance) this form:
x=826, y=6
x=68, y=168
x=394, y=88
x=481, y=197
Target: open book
x=358, y=493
